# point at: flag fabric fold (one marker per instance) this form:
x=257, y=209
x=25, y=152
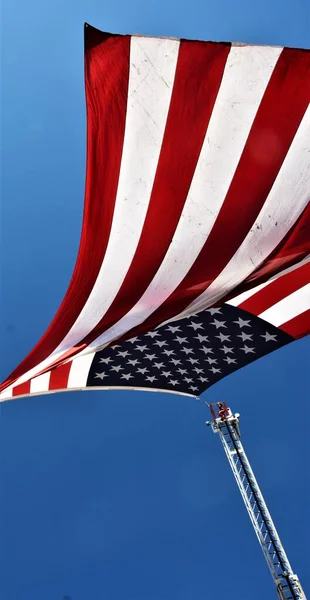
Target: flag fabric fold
x=197, y=198
x=189, y=355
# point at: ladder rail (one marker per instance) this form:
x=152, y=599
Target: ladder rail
x=253, y=518
x=271, y=544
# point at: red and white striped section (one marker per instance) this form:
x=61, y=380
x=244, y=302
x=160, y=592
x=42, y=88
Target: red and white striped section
x=197, y=177
x=69, y=376
x=283, y=301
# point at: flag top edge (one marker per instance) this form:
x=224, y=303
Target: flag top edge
x=90, y=30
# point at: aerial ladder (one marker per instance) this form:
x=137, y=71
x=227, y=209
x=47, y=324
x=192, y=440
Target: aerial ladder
x=226, y=425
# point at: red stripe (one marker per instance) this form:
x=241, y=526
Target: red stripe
x=278, y=118
x=22, y=389
x=292, y=249
x=277, y=290
x=299, y=326
x=106, y=80
x=59, y=377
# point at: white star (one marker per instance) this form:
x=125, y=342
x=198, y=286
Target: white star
x=173, y=329
x=193, y=361
x=269, y=338
x=106, y=360
x=101, y=375
x=133, y=362
x=168, y=352
x=242, y=323
x=206, y=350
x=214, y=370
x=211, y=361
x=187, y=350
x=248, y=350
x=245, y=336
x=194, y=388
x=143, y=371
x=230, y=361
x=160, y=343
x=188, y=380
x=173, y=382
x=158, y=365
x=182, y=371
x=218, y=323
x=226, y=349
x=214, y=311
x=115, y=346
x=166, y=373
x=123, y=353
x=151, y=378
x=196, y=326
x=181, y=340
x=150, y=356
x=201, y=338
x=198, y=370
x=152, y=334
x=141, y=348
x=126, y=376
x=203, y=379
x=223, y=338
x=134, y=339
x=175, y=361
x=117, y=368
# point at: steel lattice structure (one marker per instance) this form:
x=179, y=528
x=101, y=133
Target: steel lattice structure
x=226, y=425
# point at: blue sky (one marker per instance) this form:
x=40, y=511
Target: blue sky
x=125, y=496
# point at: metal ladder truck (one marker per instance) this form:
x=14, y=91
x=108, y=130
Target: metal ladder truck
x=226, y=425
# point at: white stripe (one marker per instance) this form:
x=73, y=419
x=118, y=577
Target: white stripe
x=245, y=295
x=40, y=383
x=288, y=197
x=6, y=394
x=246, y=76
x=288, y=308
x=79, y=371
x=149, y=92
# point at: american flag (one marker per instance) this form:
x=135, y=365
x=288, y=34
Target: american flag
x=197, y=196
